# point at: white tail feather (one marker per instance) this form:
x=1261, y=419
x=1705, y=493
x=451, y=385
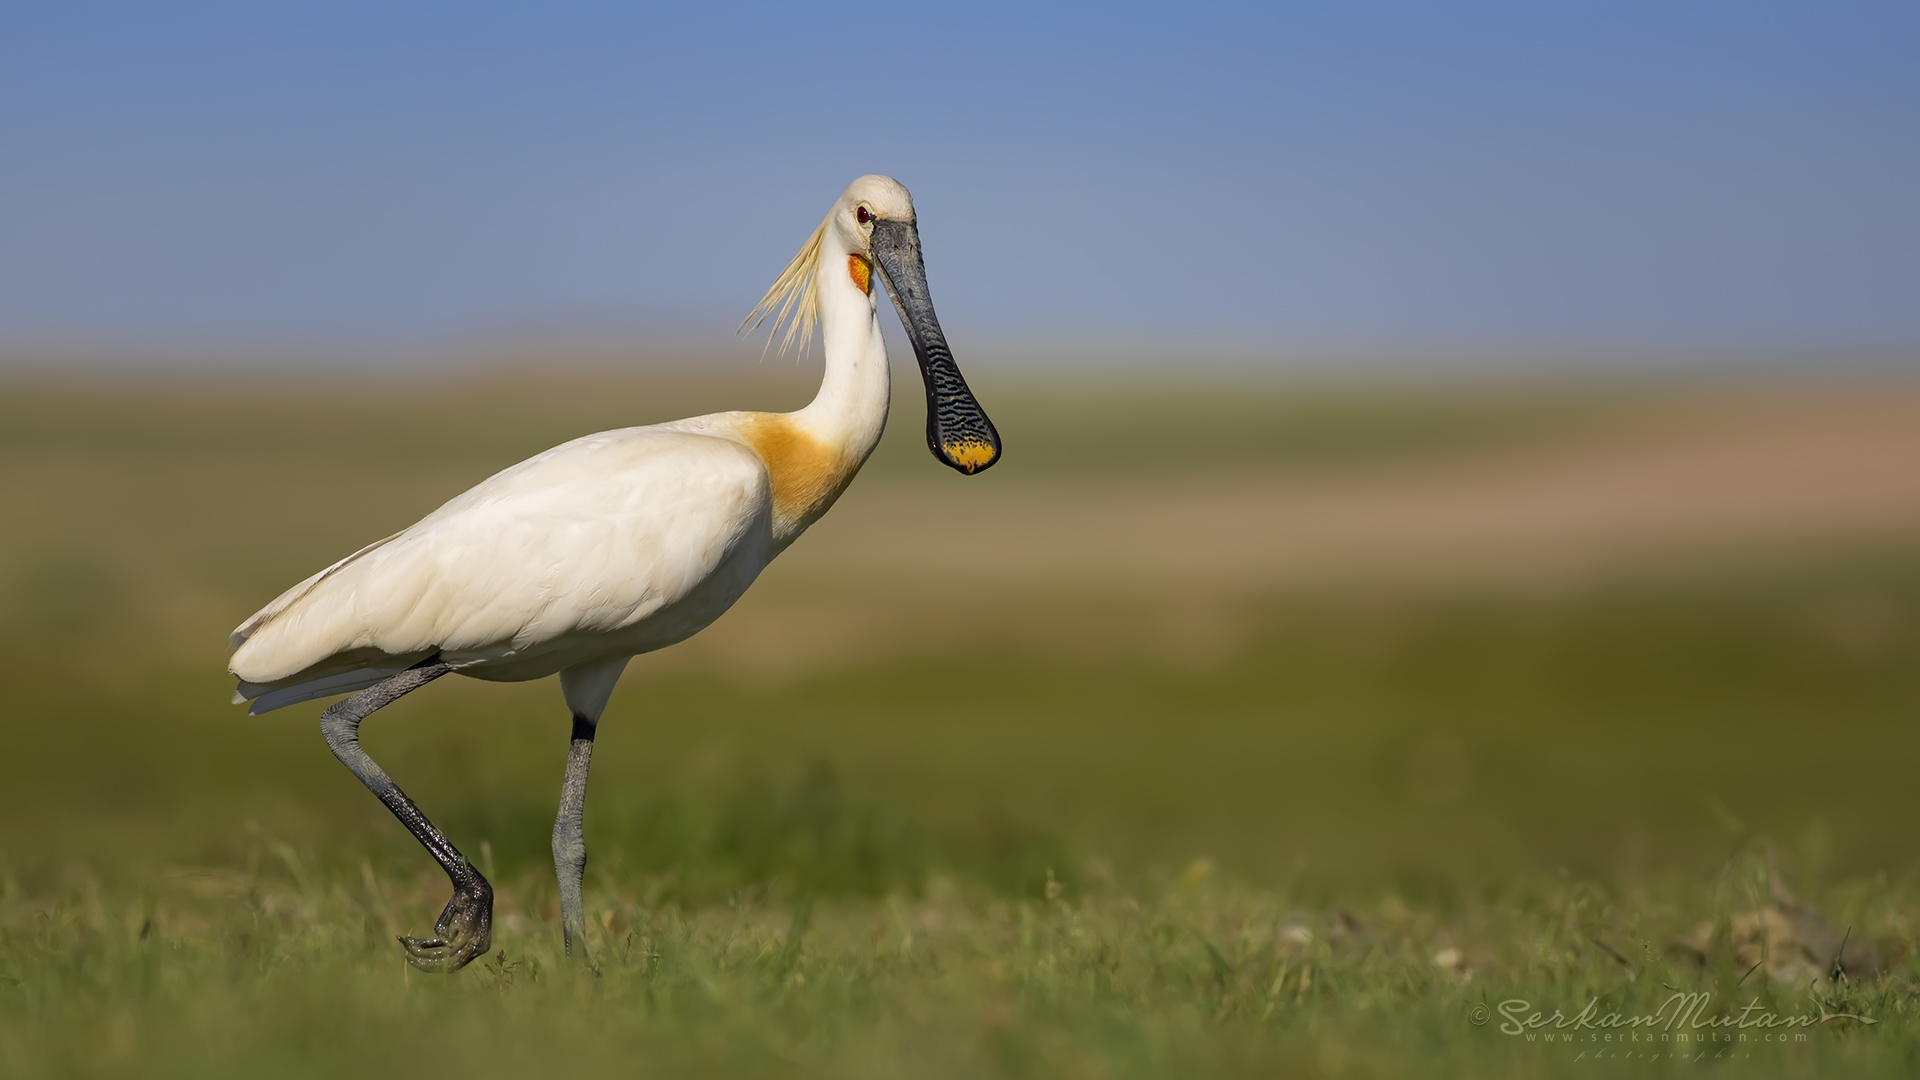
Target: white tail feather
x=268, y=699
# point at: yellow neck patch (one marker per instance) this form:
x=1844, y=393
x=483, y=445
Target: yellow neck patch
x=806, y=474
x=861, y=271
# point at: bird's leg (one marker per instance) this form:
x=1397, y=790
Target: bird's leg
x=465, y=929
x=569, y=839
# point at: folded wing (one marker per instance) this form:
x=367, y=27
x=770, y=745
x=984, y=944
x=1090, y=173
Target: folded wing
x=590, y=538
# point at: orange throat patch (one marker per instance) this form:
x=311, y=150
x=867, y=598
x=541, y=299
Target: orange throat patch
x=860, y=269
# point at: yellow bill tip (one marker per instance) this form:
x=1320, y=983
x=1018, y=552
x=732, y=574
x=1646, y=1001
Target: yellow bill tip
x=970, y=456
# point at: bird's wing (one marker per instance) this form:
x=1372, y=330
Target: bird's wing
x=589, y=537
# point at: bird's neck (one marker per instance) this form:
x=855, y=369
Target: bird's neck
x=812, y=454
x=850, y=411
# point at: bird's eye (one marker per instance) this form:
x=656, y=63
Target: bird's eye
x=862, y=216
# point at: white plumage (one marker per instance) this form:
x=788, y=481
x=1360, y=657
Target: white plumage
x=605, y=547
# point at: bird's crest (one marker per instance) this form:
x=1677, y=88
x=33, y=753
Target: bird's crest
x=792, y=299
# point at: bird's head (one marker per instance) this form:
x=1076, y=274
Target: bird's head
x=873, y=223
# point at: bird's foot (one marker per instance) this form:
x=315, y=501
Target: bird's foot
x=575, y=936
x=463, y=932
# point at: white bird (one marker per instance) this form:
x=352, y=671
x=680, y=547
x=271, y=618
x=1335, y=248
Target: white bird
x=612, y=545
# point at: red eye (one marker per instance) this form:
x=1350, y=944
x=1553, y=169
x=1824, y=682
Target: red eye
x=862, y=216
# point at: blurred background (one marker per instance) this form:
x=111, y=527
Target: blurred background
x=1443, y=443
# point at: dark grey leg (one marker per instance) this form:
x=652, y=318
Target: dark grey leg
x=465, y=928
x=569, y=838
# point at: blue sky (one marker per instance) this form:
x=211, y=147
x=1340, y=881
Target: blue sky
x=1718, y=177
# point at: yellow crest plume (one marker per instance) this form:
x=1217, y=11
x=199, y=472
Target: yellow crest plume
x=792, y=299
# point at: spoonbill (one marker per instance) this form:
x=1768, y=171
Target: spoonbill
x=576, y=560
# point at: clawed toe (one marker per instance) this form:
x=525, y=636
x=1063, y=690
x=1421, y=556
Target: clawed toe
x=462, y=934
x=441, y=956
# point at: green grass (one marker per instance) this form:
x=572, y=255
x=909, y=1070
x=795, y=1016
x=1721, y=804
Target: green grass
x=293, y=971
x=1081, y=844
